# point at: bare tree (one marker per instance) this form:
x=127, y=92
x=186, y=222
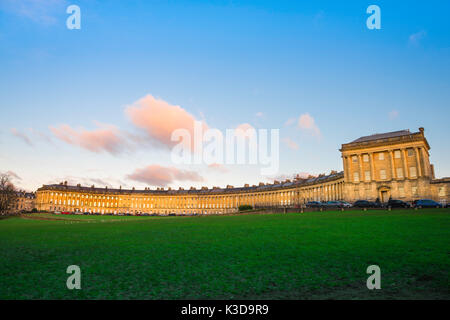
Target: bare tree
x=8, y=194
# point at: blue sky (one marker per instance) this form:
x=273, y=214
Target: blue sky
x=264, y=63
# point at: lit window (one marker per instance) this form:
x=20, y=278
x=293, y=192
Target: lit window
x=400, y=173
x=414, y=190
x=366, y=158
x=381, y=156
x=355, y=177
x=412, y=172
x=367, y=175
x=355, y=159
x=397, y=154
x=383, y=174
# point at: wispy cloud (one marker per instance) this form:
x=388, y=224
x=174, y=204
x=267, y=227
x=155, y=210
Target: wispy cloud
x=290, y=122
x=218, y=167
x=245, y=130
x=290, y=143
x=104, y=138
x=416, y=38
x=39, y=11
x=21, y=135
x=157, y=175
x=393, y=114
x=40, y=135
x=307, y=124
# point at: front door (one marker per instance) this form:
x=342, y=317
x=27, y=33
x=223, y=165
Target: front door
x=384, y=196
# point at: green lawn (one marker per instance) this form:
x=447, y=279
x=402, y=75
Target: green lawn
x=291, y=256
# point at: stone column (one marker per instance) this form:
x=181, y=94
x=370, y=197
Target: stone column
x=391, y=154
x=372, y=167
x=361, y=178
x=426, y=169
x=336, y=191
x=349, y=171
x=405, y=166
x=344, y=165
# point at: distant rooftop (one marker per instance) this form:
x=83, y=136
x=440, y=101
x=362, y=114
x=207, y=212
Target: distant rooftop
x=276, y=185
x=379, y=136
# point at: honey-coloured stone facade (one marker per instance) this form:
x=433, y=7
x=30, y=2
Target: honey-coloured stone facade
x=394, y=165
x=382, y=166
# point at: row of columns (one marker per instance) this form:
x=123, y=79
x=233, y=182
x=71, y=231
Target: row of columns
x=421, y=169
x=327, y=191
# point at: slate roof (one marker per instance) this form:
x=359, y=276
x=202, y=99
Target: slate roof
x=386, y=135
x=23, y=194
x=266, y=187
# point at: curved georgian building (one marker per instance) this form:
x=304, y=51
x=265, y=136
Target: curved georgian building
x=394, y=164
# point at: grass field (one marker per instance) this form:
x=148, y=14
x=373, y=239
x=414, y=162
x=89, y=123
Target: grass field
x=285, y=256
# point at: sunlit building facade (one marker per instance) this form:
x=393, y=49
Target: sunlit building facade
x=381, y=166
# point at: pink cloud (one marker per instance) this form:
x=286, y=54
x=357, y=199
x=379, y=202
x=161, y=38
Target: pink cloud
x=21, y=136
x=290, y=122
x=245, y=130
x=307, y=124
x=244, y=126
x=104, y=138
x=291, y=144
x=218, y=167
x=393, y=114
x=162, y=176
x=159, y=119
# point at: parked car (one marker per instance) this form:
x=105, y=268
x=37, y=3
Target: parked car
x=426, y=203
x=314, y=204
x=57, y=212
x=345, y=204
x=397, y=204
x=85, y=213
x=65, y=212
x=333, y=204
x=366, y=204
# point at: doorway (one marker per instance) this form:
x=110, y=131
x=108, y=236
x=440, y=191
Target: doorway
x=385, y=194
